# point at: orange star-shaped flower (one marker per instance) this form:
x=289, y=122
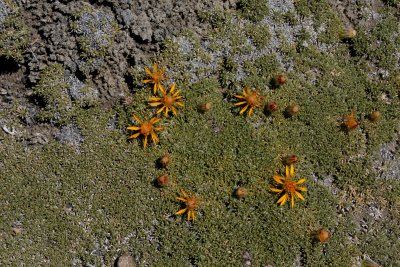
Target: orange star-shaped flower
x=191, y=205
x=250, y=100
x=146, y=128
x=288, y=187
x=156, y=77
x=168, y=101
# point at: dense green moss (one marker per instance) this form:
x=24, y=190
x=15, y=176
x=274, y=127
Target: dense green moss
x=253, y=10
x=53, y=90
x=87, y=203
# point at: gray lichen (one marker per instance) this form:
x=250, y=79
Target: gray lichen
x=96, y=31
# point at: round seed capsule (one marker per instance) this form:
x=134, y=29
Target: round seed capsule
x=241, y=192
x=289, y=160
x=292, y=110
x=323, y=235
x=374, y=116
x=273, y=106
x=162, y=180
x=165, y=160
x=205, y=107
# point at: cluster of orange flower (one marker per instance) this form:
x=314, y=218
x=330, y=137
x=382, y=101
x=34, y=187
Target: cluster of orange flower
x=167, y=101
x=251, y=99
x=288, y=189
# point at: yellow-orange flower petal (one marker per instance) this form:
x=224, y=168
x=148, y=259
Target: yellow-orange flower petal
x=251, y=100
x=276, y=190
x=288, y=187
x=146, y=128
x=182, y=211
x=278, y=179
x=168, y=101
x=191, y=205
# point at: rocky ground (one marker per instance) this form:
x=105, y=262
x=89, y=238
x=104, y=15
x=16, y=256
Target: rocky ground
x=123, y=34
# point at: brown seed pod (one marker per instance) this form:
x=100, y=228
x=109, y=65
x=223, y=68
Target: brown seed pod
x=165, y=160
x=350, y=122
x=162, y=180
x=374, y=116
x=280, y=79
x=241, y=192
x=272, y=106
x=292, y=110
x=291, y=159
x=323, y=235
x=204, y=107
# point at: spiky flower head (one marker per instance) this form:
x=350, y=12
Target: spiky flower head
x=146, y=128
x=250, y=100
x=156, y=77
x=168, y=101
x=287, y=187
x=190, y=205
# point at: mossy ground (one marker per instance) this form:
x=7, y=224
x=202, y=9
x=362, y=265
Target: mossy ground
x=14, y=34
x=89, y=204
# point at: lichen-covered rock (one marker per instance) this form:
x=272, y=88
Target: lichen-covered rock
x=5, y=11
x=96, y=31
x=14, y=34
x=53, y=90
x=83, y=94
x=62, y=93
x=70, y=135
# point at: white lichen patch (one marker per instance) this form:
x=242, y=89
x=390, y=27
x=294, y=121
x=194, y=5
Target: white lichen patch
x=5, y=11
x=232, y=40
x=387, y=162
x=70, y=135
x=80, y=91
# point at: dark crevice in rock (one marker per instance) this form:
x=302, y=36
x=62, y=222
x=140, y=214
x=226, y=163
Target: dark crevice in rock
x=8, y=65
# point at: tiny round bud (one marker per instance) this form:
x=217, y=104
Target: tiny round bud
x=374, y=116
x=348, y=33
x=165, y=160
x=273, y=106
x=162, y=180
x=240, y=192
x=281, y=79
x=205, y=107
x=292, y=110
x=323, y=235
x=350, y=122
x=289, y=160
